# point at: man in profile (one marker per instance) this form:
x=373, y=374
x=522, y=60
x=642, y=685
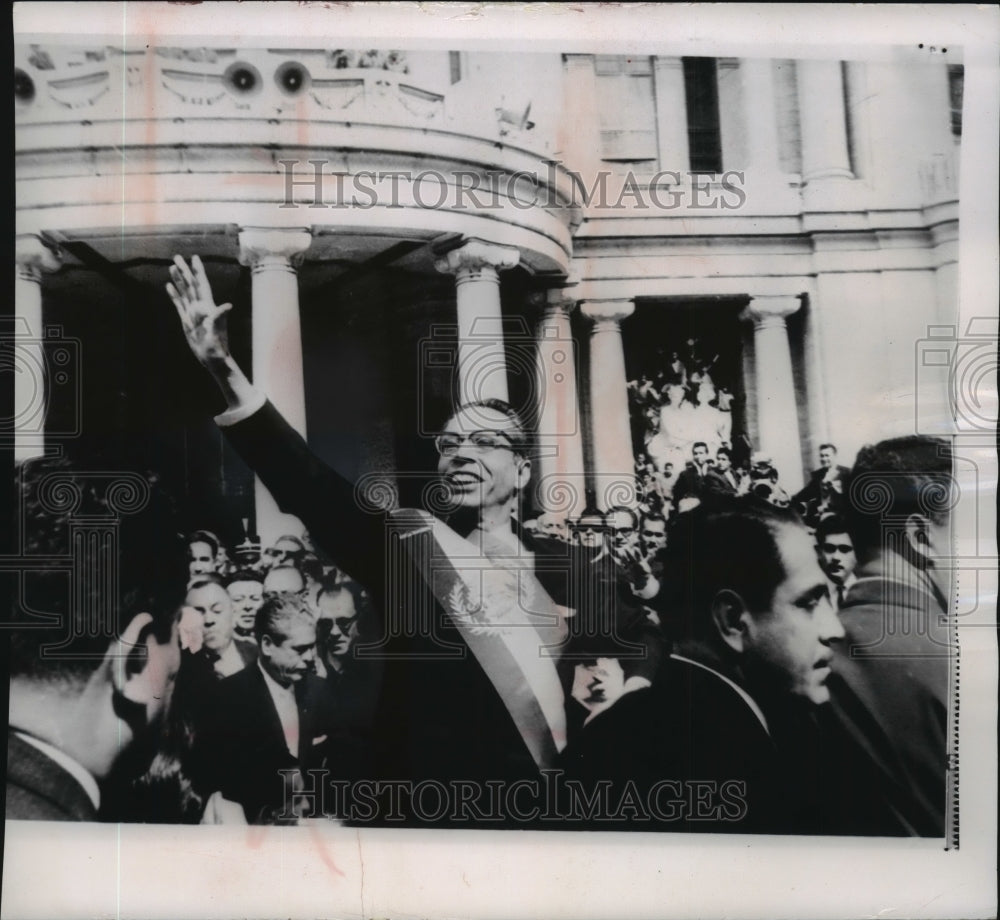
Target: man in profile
x=92, y=671
x=754, y=630
x=891, y=677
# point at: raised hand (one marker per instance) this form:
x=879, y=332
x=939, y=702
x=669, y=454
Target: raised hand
x=205, y=328
x=203, y=322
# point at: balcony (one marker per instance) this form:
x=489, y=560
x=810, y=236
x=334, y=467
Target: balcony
x=173, y=136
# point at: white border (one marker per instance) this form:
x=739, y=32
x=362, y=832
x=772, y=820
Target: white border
x=86, y=871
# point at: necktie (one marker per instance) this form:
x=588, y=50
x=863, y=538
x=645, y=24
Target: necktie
x=840, y=596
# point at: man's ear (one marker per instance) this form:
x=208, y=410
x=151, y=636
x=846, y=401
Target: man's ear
x=126, y=656
x=918, y=536
x=523, y=473
x=729, y=613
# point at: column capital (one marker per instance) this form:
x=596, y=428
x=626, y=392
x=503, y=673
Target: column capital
x=476, y=256
x=769, y=310
x=554, y=300
x=267, y=248
x=601, y=312
x=33, y=256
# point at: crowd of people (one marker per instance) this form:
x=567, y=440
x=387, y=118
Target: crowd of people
x=721, y=664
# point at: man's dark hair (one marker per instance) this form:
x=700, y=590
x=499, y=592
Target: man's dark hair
x=81, y=530
x=276, y=614
x=205, y=536
x=724, y=450
x=698, y=444
x=517, y=434
x=894, y=479
x=590, y=512
x=654, y=516
x=832, y=447
x=728, y=545
x=831, y=524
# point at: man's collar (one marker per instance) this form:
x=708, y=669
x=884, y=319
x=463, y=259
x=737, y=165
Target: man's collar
x=73, y=767
x=749, y=700
x=272, y=684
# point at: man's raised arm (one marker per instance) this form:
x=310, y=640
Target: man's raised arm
x=299, y=481
x=206, y=331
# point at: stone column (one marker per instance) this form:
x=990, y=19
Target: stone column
x=671, y=115
x=777, y=412
x=29, y=367
x=482, y=364
x=273, y=257
x=560, y=481
x=760, y=111
x=823, y=121
x=614, y=464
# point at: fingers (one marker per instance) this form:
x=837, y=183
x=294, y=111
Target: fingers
x=199, y=277
x=183, y=279
x=179, y=282
x=179, y=304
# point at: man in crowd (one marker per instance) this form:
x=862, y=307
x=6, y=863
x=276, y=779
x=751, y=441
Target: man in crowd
x=472, y=620
x=590, y=531
x=553, y=525
x=86, y=704
x=691, y=482
x=344, y=618
x=287, y=550
x=283, y=579
x=753, y=628
x=271, y=717
x=723, y=479
x=221, y=650
x=203, y=553
x=891, y=681
x=836, y=555
x=825, y=490
x=246, y=591
x=653, y=534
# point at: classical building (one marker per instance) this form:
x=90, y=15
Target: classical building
x=550, y=225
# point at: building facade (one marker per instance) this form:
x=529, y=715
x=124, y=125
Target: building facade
x=401, y=230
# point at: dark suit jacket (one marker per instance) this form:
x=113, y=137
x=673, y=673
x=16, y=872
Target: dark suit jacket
x=716, y=483
x=439, y=715
x=813, y=490
x=689, y=484
x=41, y=790
x=242, y=746
x=691, y=728
x=891, y=697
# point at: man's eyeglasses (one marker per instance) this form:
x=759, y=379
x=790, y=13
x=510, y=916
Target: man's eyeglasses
x=837, y=548
x=448, y=444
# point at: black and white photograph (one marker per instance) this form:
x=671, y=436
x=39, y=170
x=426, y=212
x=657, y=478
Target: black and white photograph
x=502, y=460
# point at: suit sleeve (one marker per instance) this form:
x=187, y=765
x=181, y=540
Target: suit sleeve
x=320, y=497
